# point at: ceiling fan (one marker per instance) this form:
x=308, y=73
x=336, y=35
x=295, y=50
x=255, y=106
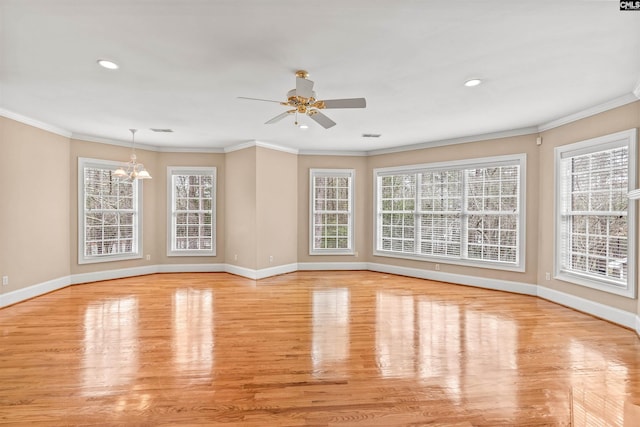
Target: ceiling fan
x=302, y=100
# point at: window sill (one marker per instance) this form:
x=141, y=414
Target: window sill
x=593, y=283
x=333, y=252
x=108, y=258
x=453, y=261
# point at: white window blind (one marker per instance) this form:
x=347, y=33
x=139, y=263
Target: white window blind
x=192, y=211
x=594, y=233
x=466, y=212
x=492, y=211
x=109, y=213
x=331, y=197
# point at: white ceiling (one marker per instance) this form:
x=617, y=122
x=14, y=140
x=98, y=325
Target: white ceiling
x=183, y=63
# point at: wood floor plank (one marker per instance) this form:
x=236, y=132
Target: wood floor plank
x=310, y=349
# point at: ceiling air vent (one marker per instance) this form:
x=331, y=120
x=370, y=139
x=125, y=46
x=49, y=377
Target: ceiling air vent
x=162, y=130
x=371, y=135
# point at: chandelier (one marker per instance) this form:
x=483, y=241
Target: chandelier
x=133, y=169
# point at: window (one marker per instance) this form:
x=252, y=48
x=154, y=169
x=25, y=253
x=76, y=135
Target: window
x=467, y=212
x=192, y=217
x=109, y=213
x=595, y=226
x=331, y=197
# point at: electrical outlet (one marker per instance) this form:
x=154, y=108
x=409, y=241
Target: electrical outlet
x=356, y=254
x=235, y=257
x=437, y=267
x=547, y=276
x=270, y=258
x=148, y=257
x=5, y=280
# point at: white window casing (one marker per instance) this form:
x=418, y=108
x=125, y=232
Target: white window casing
x=595, y=228
x=331, y=211
x=466, y=212
x=191, y=225
x=109, y=213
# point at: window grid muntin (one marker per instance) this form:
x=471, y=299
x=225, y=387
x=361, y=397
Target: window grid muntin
x=497, y=189
x=331, y=211
x=515, y=163
x=105, y=233
x=397, y=213
x=587, y=205
x=192, y=213
x=440, y=202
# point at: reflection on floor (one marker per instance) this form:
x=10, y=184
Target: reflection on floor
x=310, y=348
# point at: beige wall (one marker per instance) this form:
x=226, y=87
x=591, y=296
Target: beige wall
x=240, y=208
x=34, y=212
x=276, y=208
x=619, y=119
x=363, y=200
x=260, y=208
x=164, y=160
x=496, y=147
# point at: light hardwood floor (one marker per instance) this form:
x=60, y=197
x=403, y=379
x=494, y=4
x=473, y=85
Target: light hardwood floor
x=310, y=348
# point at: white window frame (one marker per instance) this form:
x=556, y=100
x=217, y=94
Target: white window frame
x=486, y=162
x=137, y=218
x=171, y=212
x=348, y=173
x=626, y=138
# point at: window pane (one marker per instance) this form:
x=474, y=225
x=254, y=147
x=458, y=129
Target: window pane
x=193, y=211
x=331, y=215
x=425, y=212
x=110, y=212
x=595, y=224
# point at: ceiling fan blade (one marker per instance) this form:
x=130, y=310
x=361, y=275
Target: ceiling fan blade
x=279, y=117
x=304, y=87
x=258, y=99
x=321, y=119
x=345, y=103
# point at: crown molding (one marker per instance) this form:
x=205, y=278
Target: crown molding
x=91, y=138
x=636, y=90
x=35, y=123
x=331, y=153
x=453, y=141
x=268, y=145
x=591, y=111
x=109, y=141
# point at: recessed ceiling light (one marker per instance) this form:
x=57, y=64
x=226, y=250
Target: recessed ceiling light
x=105, y=63
x=472, y=82
x=303, y=127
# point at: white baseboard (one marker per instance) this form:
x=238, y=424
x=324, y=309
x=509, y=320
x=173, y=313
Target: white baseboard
x=191, y=268
x=112, y=274
x=274, y=271
x=326, y=266
x=240, y=271
x=612, y=314
x=262, y=273
x=460, y=279
x=29, y=292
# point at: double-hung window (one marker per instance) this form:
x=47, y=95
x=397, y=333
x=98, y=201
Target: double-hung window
x=331, y=200
x=468, y=212
x=109, y=213
x=595, y=222
x=192, y=214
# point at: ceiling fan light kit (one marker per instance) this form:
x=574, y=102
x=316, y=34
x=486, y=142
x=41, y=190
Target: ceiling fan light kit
x=303, y=100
